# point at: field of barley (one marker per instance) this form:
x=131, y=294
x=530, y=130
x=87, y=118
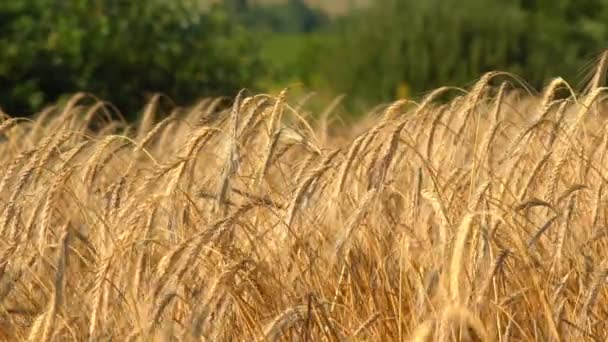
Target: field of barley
x=470, y=215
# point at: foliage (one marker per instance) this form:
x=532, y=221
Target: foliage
x=123, y=51
x=286, y=30
x=119, y=51
x=290, y=16
x=425, y=44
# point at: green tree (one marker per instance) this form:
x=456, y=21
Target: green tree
x=431, y=43
x=120, y=51
x=290, y=16
x=564, y=36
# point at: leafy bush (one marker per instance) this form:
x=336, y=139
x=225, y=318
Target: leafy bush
x=119, y=51
x=425, y=44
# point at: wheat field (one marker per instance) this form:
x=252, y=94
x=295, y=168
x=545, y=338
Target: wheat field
x=478, y=218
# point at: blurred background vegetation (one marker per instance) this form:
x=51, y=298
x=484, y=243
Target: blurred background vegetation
x=370, y=51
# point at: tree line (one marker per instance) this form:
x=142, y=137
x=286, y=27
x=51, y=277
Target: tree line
x=123, y=51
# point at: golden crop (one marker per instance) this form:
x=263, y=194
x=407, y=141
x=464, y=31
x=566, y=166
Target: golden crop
x=481, y=218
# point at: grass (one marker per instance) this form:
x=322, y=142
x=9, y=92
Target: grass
x=481, y=218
